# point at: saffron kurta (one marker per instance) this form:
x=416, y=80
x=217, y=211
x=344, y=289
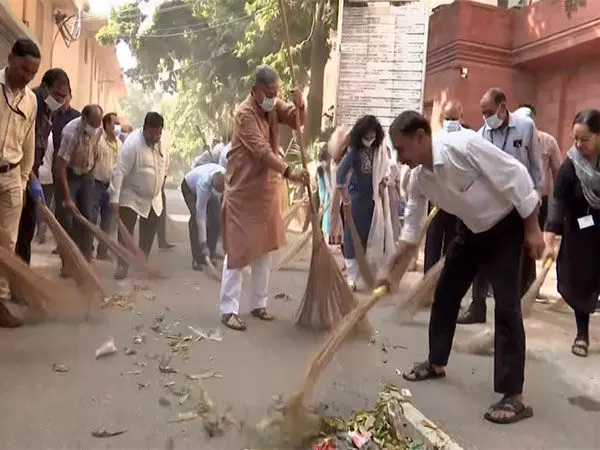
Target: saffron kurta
x=251, y=216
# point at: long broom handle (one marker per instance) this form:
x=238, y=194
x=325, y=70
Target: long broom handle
x=298, y=125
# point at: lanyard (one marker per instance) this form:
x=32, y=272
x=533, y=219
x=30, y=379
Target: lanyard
x=505, y=138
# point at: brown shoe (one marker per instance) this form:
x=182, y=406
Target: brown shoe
x=7, y=320
x=262, y=314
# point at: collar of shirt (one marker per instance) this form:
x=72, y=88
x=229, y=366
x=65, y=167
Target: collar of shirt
x=9, y=93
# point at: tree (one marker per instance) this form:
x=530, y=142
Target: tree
x=139, y=103
x=205, y=50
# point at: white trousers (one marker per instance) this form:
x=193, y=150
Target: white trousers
x=231, y=285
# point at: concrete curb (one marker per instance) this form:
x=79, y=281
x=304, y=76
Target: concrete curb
x=424, y=431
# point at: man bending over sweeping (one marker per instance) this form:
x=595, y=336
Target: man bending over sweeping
x=252, y=223
x=493, y=195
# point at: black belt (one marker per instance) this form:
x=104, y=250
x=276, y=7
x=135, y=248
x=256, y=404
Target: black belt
x=8, y=167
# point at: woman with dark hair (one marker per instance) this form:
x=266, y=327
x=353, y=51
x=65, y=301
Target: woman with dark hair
x=361, y=176
x=574, y=213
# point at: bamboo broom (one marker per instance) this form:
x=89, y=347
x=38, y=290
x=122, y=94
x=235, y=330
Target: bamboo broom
x=359, y=250
x=483, y=343
x=39, y=293
x=299, y=421
x=421, y=292
x=73, y=260
x=289, y=215
x=122, y=253
x=327, y=298
x=294, y=250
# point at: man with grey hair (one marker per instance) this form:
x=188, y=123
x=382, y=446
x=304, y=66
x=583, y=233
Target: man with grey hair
x=252, y=226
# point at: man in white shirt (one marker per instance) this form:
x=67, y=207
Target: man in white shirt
x=108, y=150
x=137, y=182
x=494, y=197
x=202, y=188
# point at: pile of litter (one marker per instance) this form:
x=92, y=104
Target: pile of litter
x=379, y=429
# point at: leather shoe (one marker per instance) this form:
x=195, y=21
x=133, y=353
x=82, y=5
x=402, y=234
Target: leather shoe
x=470, y=317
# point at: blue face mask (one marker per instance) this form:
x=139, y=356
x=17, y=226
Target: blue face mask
x=451, y=125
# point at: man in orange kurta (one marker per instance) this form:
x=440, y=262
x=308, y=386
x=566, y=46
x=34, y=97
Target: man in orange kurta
x=252, y=226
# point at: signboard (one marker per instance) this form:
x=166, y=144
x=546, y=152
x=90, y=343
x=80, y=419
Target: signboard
x=382, y=61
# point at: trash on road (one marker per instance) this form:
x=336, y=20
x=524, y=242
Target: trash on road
x=157, y=323
x=209, y=335
x=60, y=368
x=130, y=351
x=164, y=366
x=131, y=372
x=164, y=402
x=283, y=296
x=185, y=416
x=139, y=339
x=142, y=386
x=108, y=348
x=102, y=433
x=124, y=302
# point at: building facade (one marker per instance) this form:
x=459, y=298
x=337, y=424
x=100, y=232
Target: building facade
x=93, y=69
x=537, y=55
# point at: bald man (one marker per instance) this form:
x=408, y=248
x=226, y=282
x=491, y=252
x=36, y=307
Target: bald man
x=442, y=229
x=516, y=135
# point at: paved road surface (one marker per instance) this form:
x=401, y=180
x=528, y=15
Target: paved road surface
x=48, y=410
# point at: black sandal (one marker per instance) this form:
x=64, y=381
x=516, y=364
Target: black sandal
x=423, y=371
x=511, y=405
x=233, y=321
x=580, y=347
x=262, y=314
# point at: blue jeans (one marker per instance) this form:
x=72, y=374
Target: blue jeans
x=81, y=189
x=102, y=209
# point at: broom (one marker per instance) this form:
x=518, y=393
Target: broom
x=289, y=215
x=359, y=250
x=122, y=253
x=483, y=343
x=421, y=292
x=74, y=262
x=298, y=421
x=39, y=293
x=327, y=297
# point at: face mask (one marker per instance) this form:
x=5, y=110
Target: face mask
x=117, y=130
x=90, y=130
x=52, y=104
x=367, y=142
x=451, y=125
x=268, y=104
x=494, y=122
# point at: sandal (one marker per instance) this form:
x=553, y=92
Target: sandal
x=233, y=321
x=510, y=405
x=580, y=347
x=423, y=371
x=262, y=314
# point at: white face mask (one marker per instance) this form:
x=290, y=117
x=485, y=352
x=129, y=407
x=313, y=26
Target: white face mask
x=451, y=125
x=268, y=104
x=52, y=103
x=367, y=142
x=90, y=130
x=494, y=122
x=117, y=130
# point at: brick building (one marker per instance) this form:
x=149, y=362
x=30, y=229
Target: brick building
x=536, y=54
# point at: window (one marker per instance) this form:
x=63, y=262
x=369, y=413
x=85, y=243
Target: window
x=39, y=21
x=85, y=51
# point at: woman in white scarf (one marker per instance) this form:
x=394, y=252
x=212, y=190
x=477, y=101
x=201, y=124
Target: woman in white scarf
x=362, y=178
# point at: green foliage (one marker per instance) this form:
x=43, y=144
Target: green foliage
x=206, y=51
x=139, y=103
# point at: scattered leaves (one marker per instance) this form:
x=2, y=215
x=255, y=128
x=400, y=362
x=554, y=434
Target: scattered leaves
x=118, y=301
x=164, y=366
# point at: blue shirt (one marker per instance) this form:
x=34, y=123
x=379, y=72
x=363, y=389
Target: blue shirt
x=518, y=139
x=200, y=181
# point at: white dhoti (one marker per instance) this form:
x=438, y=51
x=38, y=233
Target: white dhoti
x=231, y=285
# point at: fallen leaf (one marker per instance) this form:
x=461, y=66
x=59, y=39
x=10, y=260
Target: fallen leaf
x=102, y=433
x=203, y=376
x=165, y=402
x=108, y=348
x=164, y=367
x=130, y=351
x=184, y=398
x=185, y=416
x=139, y=339
x=140, y=364
x=283, y=296
x=60, y=368
x=131, y=372
x=142, y=386
x=209, y=335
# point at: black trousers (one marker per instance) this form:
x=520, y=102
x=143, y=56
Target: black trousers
x=26, y=228
x=500, y=249
x=440, y=233
x=162, y=221
x=213, y=223
x=147, y=227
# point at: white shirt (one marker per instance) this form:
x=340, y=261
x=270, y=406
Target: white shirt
x=45, y=170
x=200, y=181
x=139, y=175
x=470, y=179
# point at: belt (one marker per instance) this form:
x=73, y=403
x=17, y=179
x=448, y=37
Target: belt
x=8, y=167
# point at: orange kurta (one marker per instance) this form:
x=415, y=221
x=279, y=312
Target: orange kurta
x=251, y=218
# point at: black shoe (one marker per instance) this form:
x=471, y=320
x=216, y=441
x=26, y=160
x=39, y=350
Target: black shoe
x=470, y=317
x=197, y=266
x=165, y=246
